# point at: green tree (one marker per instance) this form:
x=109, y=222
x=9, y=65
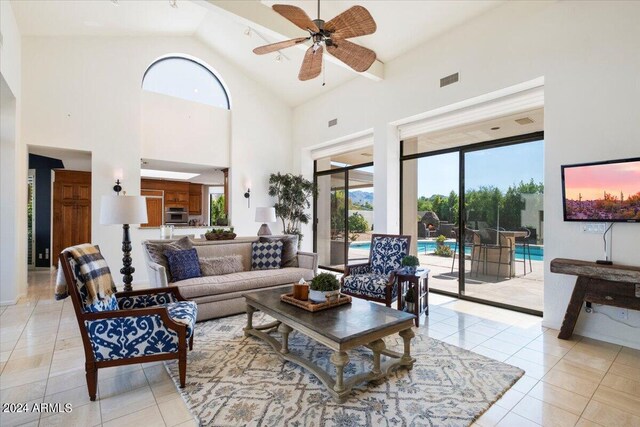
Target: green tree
x=357, y=223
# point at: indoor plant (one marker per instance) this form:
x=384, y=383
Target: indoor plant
x=410, y=264
x=409, y=301
x=293, y=194
x=323, y=287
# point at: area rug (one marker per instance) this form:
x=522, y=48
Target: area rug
x=233, y=380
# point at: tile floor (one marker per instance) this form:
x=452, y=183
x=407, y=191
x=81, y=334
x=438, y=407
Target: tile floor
x=582, y=382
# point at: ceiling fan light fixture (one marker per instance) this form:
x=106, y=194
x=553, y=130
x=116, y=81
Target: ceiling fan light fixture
x=353, y=22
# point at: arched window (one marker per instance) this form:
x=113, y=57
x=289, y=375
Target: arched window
x=186, y=79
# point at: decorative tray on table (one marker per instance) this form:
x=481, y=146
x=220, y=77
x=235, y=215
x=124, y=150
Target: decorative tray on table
x=311, y=306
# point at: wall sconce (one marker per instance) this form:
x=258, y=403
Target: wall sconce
x=117, y=188
x=247, y=196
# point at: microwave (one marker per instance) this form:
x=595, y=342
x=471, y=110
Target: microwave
x=176, y=216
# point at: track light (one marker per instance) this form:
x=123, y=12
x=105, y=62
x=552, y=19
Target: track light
x=278, y=58
x=247, y=32
x=115, y=2
x=173, y=4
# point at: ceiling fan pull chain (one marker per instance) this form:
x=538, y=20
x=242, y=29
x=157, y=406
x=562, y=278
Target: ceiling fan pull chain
x=323, y=73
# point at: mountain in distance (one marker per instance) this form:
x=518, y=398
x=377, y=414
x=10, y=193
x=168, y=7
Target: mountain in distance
x=361, y=197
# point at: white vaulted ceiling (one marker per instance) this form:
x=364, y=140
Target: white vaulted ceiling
x=222, y=24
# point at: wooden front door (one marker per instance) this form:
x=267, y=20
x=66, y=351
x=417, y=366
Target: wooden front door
x=71, y=209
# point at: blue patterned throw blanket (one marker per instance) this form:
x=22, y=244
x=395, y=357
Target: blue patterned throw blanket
x=91, y=269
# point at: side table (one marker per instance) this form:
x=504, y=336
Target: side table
x=419, y=284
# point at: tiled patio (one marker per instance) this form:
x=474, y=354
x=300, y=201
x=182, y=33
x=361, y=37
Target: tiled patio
x=522, y=290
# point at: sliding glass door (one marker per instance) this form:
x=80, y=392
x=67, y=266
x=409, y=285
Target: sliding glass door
x=343, y=215
x=503, y=205
x=476, y=215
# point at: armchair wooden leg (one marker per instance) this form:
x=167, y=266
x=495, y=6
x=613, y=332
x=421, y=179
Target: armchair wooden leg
x=191, y=342
x=91, y=373
x=182, y=365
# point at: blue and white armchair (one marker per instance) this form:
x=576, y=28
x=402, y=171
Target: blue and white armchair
x=130, y=327
x=375, y=280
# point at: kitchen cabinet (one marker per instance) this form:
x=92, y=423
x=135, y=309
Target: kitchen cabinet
x=155, y=207
x=195, y=199
x=71, y=209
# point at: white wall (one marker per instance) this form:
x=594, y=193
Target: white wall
x=13, y=158
x=587, y=53
x=84, y=93
x=174, y=129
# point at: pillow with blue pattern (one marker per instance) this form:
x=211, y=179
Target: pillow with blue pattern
x=183, y=264
x=266, y=255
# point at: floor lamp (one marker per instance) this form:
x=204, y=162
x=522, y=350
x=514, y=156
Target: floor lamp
x=124, y=210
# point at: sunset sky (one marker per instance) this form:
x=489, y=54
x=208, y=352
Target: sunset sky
x=592, y=181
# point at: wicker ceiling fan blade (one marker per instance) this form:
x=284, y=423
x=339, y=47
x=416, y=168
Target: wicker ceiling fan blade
x=353, y=22
x=297, y=16
x=312, y=63
x=273, y=47
x=355, y=56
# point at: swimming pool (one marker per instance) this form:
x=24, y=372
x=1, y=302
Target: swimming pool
x=428, y=246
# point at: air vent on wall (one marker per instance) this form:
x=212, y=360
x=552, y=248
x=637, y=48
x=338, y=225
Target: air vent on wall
x=446, y=81
x=524, y=121
x=333, y=122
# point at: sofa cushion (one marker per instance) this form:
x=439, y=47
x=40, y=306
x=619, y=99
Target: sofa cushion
x=156, y=252
x=183, y=264
x=243, y=281
x=266, y=256
x=226, y=248
x=220, y=265
x=289, y=248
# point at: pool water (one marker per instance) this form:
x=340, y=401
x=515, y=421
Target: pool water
x=428, y=246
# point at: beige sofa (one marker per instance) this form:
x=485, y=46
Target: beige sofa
x=219, y=296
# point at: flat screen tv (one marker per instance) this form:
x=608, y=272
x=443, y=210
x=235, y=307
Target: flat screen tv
x=602, y=191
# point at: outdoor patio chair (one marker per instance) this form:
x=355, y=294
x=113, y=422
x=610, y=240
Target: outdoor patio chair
x=471, y=240
x=493, y=240
x=375, y=280
x=128, y=327
x=523, y=242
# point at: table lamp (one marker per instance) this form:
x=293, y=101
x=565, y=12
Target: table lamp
x=124, y=210
x=265, y=215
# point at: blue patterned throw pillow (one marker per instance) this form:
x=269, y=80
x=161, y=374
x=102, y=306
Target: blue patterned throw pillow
x=266, y=256
x=183, y=264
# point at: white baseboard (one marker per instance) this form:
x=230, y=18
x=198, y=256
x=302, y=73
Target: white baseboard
x=9, y=302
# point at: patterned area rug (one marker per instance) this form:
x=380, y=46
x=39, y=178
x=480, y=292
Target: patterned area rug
x=233, y=380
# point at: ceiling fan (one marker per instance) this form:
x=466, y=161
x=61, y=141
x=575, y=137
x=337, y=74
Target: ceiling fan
x=353, y=22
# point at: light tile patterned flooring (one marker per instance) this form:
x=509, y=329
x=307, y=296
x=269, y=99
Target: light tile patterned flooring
x=582, y=382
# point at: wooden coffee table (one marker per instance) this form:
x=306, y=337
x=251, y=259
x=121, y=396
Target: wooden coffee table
x=342, y=328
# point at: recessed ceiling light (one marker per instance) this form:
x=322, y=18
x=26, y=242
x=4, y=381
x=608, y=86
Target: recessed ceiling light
x=152, y=173
x=195, y=90
x=495, y=128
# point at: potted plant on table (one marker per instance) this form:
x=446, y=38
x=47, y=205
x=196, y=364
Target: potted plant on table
x=324, y=287
x=410, y=264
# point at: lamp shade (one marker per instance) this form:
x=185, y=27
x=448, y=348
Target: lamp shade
x=123, y=210
x=265, y=215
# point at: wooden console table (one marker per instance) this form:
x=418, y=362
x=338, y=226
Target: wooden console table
x=616, y=285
